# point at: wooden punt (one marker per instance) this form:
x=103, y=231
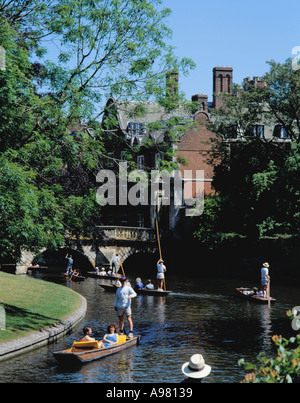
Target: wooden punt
x=101, y=277
x=83, y=355
x=143, y=291
x=245, y=293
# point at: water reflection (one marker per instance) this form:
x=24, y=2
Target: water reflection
x=200, y=316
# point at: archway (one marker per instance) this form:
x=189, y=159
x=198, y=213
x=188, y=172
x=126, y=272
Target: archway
x=55, y=260
x=141, y=264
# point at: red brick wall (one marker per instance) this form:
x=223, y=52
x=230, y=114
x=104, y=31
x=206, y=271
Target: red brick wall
x=197, y=145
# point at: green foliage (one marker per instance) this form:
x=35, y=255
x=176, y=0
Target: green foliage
x=258, y=180
x=284, y=368
x=107, y=49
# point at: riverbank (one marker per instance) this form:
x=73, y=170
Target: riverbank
x=35, y=313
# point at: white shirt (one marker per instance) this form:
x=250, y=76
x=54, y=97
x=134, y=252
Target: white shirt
x=122, y=294
x=264, y=274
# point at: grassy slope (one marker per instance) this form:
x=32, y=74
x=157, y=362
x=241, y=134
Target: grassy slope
x=31, y=305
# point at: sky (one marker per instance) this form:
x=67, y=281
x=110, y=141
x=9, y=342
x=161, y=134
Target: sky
x=237, y=33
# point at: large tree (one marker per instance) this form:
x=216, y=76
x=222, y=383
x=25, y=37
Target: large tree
x=63, y=60
x=258, y=180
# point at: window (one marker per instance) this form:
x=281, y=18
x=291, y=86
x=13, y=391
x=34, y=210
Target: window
x=280, y=132
x=141, y=220
x=140, y=162
x=257, y=131
x=158, y=158
x=136, y=129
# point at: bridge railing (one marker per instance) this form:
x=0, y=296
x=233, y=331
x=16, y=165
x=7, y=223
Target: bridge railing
x=128, y=233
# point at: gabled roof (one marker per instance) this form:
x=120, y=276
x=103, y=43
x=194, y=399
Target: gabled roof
x=144, y=113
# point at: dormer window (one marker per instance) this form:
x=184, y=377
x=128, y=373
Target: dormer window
x=280, y=132
x=136, y=129
x=257, y=131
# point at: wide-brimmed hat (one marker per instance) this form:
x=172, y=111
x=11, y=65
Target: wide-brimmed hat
x=266, y=265
x=196, y=367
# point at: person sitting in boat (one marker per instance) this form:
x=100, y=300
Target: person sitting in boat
x=111, y=338
x=254, y=291
x=87, y=331
x=138, y=284
x=149, y=285
x=102, y=272
x=75, y=273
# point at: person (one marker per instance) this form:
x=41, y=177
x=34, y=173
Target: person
x=195, y=369
x=123, y=298
x=112, y=336
x=70, y=263
x=161, y=269
x=149, y=285
x=115, y=264
x=138, y=284
x=87, y=331
x=265, y=278
x=102, y=272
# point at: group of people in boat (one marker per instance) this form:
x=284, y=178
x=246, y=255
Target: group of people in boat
x=111, y=338
x=265, y=281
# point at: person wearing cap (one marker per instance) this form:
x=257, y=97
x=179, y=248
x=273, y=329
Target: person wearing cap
x=161, y=268
x=123, y=305
x=195, y=369
x=265, y=278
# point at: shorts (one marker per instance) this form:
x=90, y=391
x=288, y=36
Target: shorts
x=160, y=276
x=122, y=311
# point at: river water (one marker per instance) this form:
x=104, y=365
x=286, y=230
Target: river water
x=200, y=316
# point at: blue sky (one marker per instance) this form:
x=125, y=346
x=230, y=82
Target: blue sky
x=237, y=33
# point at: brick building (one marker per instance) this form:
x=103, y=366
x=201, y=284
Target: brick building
x=197, y=146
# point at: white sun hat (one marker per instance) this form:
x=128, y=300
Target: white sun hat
x=196, y=367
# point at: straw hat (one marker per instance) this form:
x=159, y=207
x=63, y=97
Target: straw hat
x=196, y=367
x=266, y=265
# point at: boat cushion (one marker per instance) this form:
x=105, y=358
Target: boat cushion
x=122, y=338
x=86, y=344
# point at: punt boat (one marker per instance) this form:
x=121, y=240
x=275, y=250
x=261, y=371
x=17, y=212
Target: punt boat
x=247, y=294
x=101, y=277
x=84, y=352
x=143, y=291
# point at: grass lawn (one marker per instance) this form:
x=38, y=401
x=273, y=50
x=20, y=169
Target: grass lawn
x=31, y=305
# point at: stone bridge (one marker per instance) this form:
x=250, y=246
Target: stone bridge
x=107, y=242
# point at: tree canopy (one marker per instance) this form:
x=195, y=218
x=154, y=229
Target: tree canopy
x=257, y=182
x=63, y=59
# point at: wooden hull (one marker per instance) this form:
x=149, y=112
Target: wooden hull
x=113, y=288
x=83, y=356
x=95, y=275
x=254, y=298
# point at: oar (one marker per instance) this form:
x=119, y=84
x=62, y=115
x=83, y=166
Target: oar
x=159, y=247
x=269, y=293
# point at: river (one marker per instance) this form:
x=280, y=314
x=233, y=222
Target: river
x=200, y=316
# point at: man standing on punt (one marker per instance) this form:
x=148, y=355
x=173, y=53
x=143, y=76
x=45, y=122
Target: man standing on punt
x=123, y=305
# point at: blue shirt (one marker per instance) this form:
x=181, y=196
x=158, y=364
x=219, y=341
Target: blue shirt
x=110, y=337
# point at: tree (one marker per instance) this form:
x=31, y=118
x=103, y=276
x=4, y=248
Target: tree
x=258, y=179
x=115, y=48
